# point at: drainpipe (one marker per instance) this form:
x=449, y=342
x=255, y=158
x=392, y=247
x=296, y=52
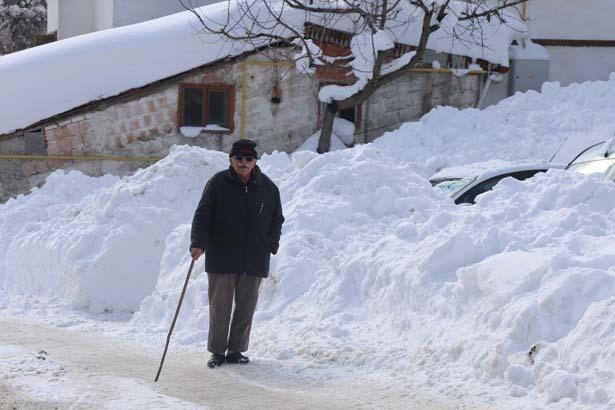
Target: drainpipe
x=524, y=17
x=483, y=95
x=365, y=118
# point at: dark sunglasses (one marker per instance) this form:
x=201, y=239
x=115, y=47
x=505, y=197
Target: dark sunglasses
x=242, y=157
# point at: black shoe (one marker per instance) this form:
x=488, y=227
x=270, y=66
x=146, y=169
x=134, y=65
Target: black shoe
x=215, y=360
x=237, y=357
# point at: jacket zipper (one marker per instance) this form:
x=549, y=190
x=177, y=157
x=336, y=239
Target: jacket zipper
x=244, y=250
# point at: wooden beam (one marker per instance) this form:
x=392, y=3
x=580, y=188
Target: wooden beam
x=573, y=43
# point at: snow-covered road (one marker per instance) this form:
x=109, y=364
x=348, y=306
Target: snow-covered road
x=46, y=367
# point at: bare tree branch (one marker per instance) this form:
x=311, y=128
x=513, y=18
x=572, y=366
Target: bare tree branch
x=493, y=11
x=366, y=28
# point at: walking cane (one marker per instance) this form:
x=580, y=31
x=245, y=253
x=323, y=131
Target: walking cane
x=179, y=305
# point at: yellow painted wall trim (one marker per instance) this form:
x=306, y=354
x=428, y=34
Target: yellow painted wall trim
x=78, y=158
x=443, y=70
x=244, y=90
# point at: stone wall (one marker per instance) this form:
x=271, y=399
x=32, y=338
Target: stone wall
x=148, y=125
x=144, y=122
x=411, y=97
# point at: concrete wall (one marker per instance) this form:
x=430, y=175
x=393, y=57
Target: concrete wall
x=568, y=20
x=52, y=15
x=75, y=17
x=135, y=11
x=103, y=14
x=579, y=64
x=571, y=19
x=574, y=20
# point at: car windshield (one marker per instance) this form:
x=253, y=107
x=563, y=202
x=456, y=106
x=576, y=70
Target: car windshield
x=593, y=160
x=602, y=166
x=593, y=153
x=452, y=185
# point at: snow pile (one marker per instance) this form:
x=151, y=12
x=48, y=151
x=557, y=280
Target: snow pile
x=102, y=251
x=540, y=295
x=525, y=127
x=344, y=217
x=32, y=212
x=342, y=136
x=511, y=299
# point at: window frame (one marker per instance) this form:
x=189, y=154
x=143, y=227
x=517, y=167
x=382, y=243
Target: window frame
x=206, y=88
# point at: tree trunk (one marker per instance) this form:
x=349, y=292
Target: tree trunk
x=324, y=142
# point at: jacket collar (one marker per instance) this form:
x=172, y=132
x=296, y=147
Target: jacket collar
x=255, y=178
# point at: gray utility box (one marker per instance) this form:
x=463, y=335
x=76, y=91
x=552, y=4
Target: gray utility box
x=527, y=75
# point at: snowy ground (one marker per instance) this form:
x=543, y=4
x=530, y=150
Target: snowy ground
x=57, y=367
x=384, y=293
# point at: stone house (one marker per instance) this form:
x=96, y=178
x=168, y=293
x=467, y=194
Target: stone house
x=249, y=95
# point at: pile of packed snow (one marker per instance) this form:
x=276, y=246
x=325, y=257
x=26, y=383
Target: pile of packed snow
x=62, y=191
x=510, y=300
x=529, y=126
x=98, y=243
x=342, y=136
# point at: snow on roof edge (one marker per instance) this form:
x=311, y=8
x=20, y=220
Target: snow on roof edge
x=115, y=60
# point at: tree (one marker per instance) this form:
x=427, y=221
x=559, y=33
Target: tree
x=20, y=21
x=376, y=27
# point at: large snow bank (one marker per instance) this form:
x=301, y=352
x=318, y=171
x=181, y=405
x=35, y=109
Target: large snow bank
x=511, y=299
x=32, y=212
x=527, y=126
x=102, y=251
x=342, y=136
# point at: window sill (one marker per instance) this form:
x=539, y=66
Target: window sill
x=193, y=132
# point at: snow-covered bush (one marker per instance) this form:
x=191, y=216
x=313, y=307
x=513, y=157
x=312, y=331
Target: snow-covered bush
x=20, y=21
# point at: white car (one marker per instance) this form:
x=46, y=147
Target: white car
x=464, y=183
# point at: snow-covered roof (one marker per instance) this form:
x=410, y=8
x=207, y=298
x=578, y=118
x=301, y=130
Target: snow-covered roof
x=44, y=81
x=48, y=80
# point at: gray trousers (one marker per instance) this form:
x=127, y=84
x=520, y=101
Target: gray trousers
x=223, y=288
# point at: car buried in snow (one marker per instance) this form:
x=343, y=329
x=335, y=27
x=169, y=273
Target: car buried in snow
x=598, y=158
x=464, y=183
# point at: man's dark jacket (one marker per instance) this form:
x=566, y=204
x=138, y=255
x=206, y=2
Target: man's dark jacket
x=238, y=224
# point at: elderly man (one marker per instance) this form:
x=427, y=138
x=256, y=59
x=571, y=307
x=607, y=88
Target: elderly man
x=237, y=224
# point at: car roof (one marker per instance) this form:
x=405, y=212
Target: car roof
x=487, y=169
